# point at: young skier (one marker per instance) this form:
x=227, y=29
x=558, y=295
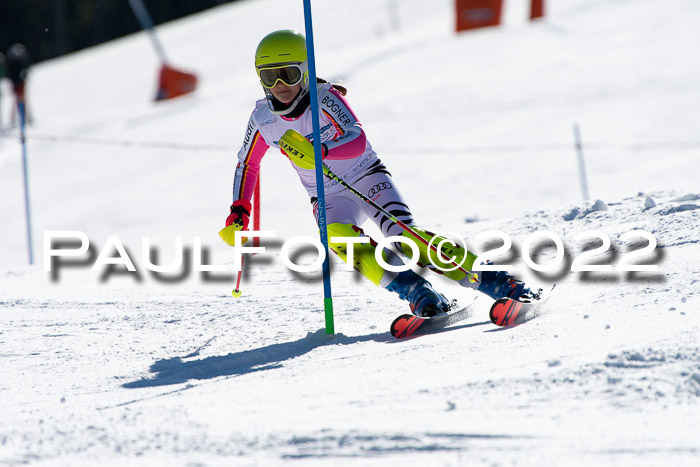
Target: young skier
x=279, y=119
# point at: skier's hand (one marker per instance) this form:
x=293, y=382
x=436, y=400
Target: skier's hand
x=240, y=213
x=299, y=149
x=237, y=220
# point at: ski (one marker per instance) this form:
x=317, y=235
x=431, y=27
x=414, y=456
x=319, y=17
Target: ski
x=411, y=325
x=509, y=312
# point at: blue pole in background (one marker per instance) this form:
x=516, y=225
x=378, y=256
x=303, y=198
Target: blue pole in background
x=318, y=157
x=23, y=140
x=146, y=22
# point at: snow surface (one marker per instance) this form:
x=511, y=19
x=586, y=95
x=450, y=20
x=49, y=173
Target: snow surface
x=116, y=368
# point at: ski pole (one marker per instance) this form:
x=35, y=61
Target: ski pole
x=256, y=241
x=473, y=277
x=237, y=291
x=22, y=110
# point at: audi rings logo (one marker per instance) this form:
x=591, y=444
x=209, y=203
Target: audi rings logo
x=378, y=187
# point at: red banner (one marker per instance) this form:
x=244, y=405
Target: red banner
x=536, y=9
x=473, y=14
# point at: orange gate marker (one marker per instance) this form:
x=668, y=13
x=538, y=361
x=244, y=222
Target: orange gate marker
x=472, y=14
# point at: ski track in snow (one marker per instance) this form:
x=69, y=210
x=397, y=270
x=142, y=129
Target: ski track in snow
x=120, y=369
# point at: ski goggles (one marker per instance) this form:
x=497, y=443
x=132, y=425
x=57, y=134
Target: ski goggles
x=291, y=75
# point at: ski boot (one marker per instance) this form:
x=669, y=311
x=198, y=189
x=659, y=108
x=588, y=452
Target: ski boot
x=500, y=284
x=424, y=300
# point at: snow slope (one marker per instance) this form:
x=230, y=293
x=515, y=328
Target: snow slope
x=131, y=369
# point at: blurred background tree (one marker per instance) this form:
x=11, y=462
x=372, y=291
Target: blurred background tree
x=51, y=28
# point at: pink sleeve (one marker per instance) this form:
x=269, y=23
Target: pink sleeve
x=349, y=140
x=248, y=168
x=349, y=149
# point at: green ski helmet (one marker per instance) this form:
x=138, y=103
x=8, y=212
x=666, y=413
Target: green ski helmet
x=281, y=56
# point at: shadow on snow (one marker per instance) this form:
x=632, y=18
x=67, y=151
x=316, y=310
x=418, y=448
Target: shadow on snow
x=176, y=370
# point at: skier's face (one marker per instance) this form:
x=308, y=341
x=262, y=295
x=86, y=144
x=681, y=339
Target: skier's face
x=285, y=94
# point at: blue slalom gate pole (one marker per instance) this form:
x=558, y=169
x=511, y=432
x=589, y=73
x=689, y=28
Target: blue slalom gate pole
x=318, y=157
x=23, y=140
x=146, y=22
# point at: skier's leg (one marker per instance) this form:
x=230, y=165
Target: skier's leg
x=363, y=254
x=451, y=250
x=423, y=299
x=378, y=185
x=348, y=212
x=343, y=216
x=495, y=284
x=381, y=188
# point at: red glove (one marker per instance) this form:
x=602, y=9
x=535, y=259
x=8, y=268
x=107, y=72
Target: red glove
x=240, y=212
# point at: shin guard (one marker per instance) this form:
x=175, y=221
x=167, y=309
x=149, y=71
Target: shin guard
x=363, y=259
